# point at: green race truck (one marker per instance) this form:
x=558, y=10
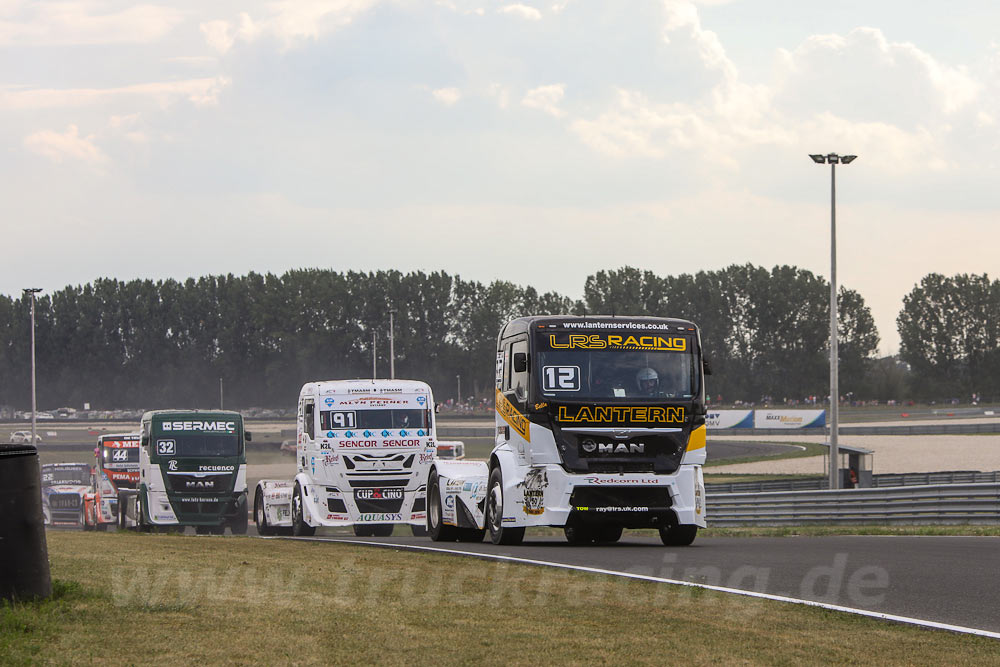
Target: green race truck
x=192, y=472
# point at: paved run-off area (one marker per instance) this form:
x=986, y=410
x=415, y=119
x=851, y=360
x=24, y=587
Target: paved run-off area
x=892, y=453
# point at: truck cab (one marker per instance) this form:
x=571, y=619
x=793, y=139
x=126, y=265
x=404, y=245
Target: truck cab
x=363, y=449
x=116, y=469
x=192, y=471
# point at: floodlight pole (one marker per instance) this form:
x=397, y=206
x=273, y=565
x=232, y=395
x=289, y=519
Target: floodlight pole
x=833, y=159
x=32, y=291
x=392, y=348
x=373, y=356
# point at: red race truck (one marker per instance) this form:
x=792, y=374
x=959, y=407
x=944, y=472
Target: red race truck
x=117, y=468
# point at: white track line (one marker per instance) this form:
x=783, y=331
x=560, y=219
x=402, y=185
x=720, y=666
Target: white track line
x=677, y=582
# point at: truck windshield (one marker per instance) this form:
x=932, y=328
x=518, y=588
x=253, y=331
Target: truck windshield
x=73, y=476
x=195, y=445
x=331, y=419
x=605, y=367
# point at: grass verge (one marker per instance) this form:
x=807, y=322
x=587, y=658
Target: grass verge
x=132, y=598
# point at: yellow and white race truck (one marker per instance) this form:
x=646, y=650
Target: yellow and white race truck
x=600, y=426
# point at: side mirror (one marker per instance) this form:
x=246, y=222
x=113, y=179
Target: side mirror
x=520, y=362
x=707, y=365
x=247, y=436
x=437, y=408
x=145, y=441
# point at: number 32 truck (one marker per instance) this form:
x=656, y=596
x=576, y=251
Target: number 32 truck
x=192, y=472
x=600, y=426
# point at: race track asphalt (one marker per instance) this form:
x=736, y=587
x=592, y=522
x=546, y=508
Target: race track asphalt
x=949, y=580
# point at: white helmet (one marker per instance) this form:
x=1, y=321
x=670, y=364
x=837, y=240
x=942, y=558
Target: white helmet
x=647, y=379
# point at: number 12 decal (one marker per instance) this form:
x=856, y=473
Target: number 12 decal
x=561, y=378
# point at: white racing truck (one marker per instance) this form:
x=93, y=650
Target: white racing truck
x=363, y=450
x=600, y=426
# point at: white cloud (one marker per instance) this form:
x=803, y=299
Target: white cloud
x=201, y=92
x=522, y=11
x=290, y=22
x=891, y=81
x=84, y=22
x=69, y=145
x=500, y=93
x=546, y=98
x=218, y=34
x=447, y=96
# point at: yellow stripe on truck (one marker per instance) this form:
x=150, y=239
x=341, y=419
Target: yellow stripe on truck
x=697, y=439
x=510, y=415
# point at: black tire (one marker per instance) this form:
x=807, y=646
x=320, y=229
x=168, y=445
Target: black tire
x=259, y=516
x=418, y=531
x=121, y=511
x=299, y=526
x=580, y=534
x=382, y=529
x=140, y=520
x=494, y=513
x=609, y=534
x=436, y=528
x=362, y=530
x=241, y=522
x=471, y=534
x=202, y=530
x=217, y=530
x=679, y=536
x=87, y=526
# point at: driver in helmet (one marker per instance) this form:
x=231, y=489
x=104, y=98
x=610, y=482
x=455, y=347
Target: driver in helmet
x=648, y=381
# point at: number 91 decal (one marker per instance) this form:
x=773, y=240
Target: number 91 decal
x=560, y=378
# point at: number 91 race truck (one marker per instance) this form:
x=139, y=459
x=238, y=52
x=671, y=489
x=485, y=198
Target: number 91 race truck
x=363, y=450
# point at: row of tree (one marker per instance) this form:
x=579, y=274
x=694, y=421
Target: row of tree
x=144, y=343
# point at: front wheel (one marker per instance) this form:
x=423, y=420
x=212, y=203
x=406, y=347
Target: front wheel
x=499, y=534
x=241, y=521
x=260, y=515
x=299, y=526
x=435, y=513
x=678, y=536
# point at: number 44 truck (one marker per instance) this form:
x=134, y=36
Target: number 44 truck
x=363, y=451
x=600, y=426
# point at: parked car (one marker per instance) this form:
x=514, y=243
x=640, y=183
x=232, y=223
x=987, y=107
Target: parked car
x=21, y=437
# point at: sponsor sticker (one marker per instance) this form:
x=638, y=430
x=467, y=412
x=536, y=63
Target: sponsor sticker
x=377, y=493
x=509, y=413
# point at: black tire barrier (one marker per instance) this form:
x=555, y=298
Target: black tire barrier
x=24, y=556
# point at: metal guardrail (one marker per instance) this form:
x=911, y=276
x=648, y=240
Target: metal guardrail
x=878, y=481
x=954, y=428
x=914, y=505
x=466, y=431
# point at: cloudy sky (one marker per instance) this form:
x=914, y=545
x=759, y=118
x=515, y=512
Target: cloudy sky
x=536, y=142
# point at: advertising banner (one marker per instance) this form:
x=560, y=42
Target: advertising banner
x=720, y=419
x=790, y=419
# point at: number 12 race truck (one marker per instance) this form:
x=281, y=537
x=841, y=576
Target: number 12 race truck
x=192, y=472
x=117, y=469
x=363, y=451
x=600, y=426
